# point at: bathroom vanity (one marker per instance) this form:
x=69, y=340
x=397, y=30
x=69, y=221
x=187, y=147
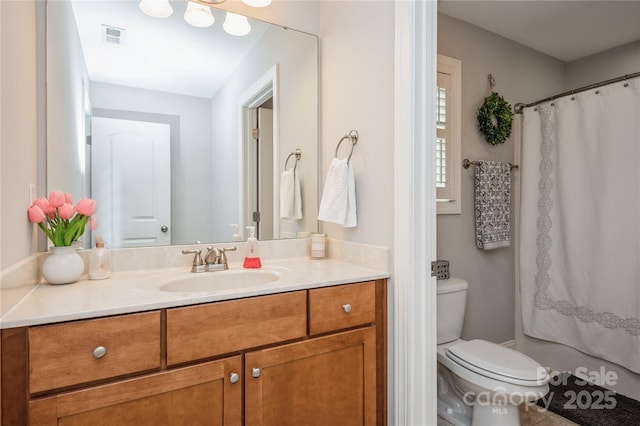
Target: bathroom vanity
x=306, y=352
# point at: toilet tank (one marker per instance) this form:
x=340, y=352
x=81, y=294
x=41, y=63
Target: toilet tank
x=451, y=301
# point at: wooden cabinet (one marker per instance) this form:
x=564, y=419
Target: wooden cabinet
x=312, y=357
x=329, y=380
x=201, y=395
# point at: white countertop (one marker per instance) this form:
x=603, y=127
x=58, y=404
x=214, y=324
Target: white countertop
x=127, y=292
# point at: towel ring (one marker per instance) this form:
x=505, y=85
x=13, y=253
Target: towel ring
x=298, y=154
x=353, y=137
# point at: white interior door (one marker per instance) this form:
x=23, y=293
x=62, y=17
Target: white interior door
x=131, y=181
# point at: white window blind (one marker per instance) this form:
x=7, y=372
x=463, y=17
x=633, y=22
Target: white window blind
x=441, y=139
x=448, y=131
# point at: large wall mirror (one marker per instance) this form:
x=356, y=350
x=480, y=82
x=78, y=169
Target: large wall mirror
x=154, y=118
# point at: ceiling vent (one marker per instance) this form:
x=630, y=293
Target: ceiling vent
x=112, y=35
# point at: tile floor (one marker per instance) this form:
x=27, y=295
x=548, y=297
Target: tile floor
x=535, y=415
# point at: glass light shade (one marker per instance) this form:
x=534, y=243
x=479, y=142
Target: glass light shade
x=257, y=3
x=236, y=25
x=198, y=15
x=156, y=8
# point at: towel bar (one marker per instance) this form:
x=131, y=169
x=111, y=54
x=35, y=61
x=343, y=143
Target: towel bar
x=466, y=163
x=298, y=154
x=353, y=137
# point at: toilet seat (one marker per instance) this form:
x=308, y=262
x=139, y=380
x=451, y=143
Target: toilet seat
x=497, y=362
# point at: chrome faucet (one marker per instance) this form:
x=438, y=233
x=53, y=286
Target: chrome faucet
x=217, y=256
x=215, y=259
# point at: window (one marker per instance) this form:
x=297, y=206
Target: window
x=448, y=130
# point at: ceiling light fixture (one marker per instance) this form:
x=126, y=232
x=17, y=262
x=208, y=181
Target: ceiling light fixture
x=156, y=8
x=198, y=15
x=236, y=25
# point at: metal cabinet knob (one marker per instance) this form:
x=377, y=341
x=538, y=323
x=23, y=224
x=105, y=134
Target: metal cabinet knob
x=346, y=307
x=99, y=352
x=164, y=228
x=256, y=372
x=234, y=378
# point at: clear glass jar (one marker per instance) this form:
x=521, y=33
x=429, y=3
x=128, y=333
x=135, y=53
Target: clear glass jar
x=318, y=246
x=99, y=262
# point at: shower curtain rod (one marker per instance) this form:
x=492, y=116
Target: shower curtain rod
x=520, y=106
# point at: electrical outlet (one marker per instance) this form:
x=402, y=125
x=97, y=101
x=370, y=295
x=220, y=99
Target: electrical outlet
x=32, y=193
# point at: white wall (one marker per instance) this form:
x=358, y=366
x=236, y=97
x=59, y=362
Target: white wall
x=605, y=65
x=522, y=75
x=191, y=168
x=18, y=156
x=358, y=93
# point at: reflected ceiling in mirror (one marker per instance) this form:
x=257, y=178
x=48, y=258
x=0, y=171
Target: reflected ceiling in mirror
x=107, y=62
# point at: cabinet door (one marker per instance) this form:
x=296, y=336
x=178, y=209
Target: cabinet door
x=329, y=380
x=205, y=394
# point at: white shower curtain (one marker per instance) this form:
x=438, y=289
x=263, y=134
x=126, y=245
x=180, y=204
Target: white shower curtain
x=580, y=222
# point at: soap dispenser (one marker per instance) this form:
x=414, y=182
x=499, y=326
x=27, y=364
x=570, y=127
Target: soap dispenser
x=252, y=257
x=99, y=261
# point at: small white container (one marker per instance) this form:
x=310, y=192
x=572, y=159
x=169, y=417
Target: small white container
x=318, y=246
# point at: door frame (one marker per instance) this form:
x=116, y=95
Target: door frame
x=414, y=365
x=263, y=88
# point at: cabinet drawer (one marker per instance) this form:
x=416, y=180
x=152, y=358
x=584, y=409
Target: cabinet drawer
x=68, y=354
x=334, y=308
x=203, y=331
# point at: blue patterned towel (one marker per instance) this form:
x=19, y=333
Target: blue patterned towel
x=492, y=204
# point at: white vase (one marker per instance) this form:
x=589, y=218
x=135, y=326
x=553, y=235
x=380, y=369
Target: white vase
x=62, y=266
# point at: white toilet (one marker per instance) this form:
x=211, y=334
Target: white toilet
x=479, y=383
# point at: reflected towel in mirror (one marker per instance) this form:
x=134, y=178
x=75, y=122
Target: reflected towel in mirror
x=290, y=196
x=338, y=202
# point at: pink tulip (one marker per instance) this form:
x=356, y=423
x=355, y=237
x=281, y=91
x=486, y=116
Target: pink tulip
x=44, y=205
x=66, y=211
x=35, y=213
x=68, y=199
x=86, y=207
x=56, y=199
x=93, y=223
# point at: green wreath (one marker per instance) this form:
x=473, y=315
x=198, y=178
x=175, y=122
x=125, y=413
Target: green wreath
x=495, y=132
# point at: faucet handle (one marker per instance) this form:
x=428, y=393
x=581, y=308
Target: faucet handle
x=222, y=257
x=197, y=259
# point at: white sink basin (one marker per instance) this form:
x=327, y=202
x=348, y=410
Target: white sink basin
x=221, y=281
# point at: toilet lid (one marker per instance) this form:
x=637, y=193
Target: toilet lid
x=498, y=362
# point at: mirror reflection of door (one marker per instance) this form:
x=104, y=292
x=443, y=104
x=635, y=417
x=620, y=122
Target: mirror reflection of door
x=263, y=161
x=131, y=176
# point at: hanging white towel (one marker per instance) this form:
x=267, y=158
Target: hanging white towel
x=290, y=196
x=338, y=202
x=492, y=204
